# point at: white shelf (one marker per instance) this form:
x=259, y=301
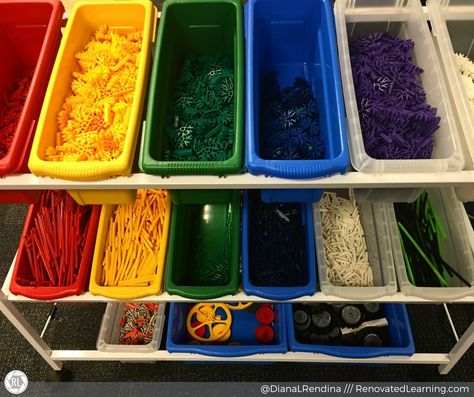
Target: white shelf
x=246, y=181
x=87, y=297
x=163, y=355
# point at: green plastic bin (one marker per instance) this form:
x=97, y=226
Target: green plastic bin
x=204, y=244
x=202, y=27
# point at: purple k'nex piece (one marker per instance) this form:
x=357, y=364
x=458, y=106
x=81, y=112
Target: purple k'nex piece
x=396, y=121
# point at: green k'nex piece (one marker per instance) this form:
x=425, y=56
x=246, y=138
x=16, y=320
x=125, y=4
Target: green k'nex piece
x=182, y=152
x=411, y=278
x=204, y=102
x=441, y=279
x=214, y=131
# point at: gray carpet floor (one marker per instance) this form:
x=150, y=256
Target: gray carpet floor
x=76, y=326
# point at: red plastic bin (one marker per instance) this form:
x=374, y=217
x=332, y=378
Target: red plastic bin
x=30, y=34
x=22, y=268
x=19, y=196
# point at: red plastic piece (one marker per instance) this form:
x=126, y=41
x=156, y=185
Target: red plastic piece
x=199, y=331
x=31, y=33
x=264, y=334
x=73, y=269
x=265, y=315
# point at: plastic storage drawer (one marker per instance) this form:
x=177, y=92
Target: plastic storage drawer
x=453, y=29
x=22, y=267
x=86, y=18
x=456, y=248
x=108, y=339
x=126, y=293
x=204, y=235
x=295, y=39
x=207, y=27
x=399, y=332
x=373, y=217
x=31, y=32
x=407, y=21
x=308, y=271
x=242, y=332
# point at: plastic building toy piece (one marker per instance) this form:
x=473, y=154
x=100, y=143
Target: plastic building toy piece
x=201, y=118
x=93, y=121
x=289, y=121
x=264, y=334
x=395, y=120
x=344, y=242
x=138, y=323
x=215, y=319
x=345, y=325
x=134, y=241
x=54, y=245
x=466, y=67
x=239, y=305
x=278, y=251
x=11, y=112
x=265, y=315
x=421, y=235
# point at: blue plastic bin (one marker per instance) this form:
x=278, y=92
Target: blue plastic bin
x=295, y=38
x=242, y=331
x=401, y=338
x=277, y=293
x=291, y=195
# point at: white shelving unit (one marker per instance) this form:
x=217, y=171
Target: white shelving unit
x=247, y=181
x=54, y=358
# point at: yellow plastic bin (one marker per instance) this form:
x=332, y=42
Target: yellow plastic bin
x=86, y=17
x=126, y=293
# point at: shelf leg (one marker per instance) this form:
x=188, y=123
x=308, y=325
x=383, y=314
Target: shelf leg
x=458, y=350
x=29, y=333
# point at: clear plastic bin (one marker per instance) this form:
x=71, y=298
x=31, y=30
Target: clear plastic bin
x=374, y=221
x=405, y=20
x=108, y=339
x=456, y=247
x=470, y=230
x=397, y=195
x=452, y=25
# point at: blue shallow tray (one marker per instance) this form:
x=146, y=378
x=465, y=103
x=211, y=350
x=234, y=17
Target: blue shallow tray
x=243, y=328
x=400, y=336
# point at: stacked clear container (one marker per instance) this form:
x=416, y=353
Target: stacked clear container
x=407, y=21
x=373, y=217
x=456, y=247
x=452, y=24
x=108, y=339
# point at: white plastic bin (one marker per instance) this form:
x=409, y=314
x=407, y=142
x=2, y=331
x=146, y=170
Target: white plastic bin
x=108, y=339
x=452, y=25
x=404, y=19
x=375, y=224
x=456, y=247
